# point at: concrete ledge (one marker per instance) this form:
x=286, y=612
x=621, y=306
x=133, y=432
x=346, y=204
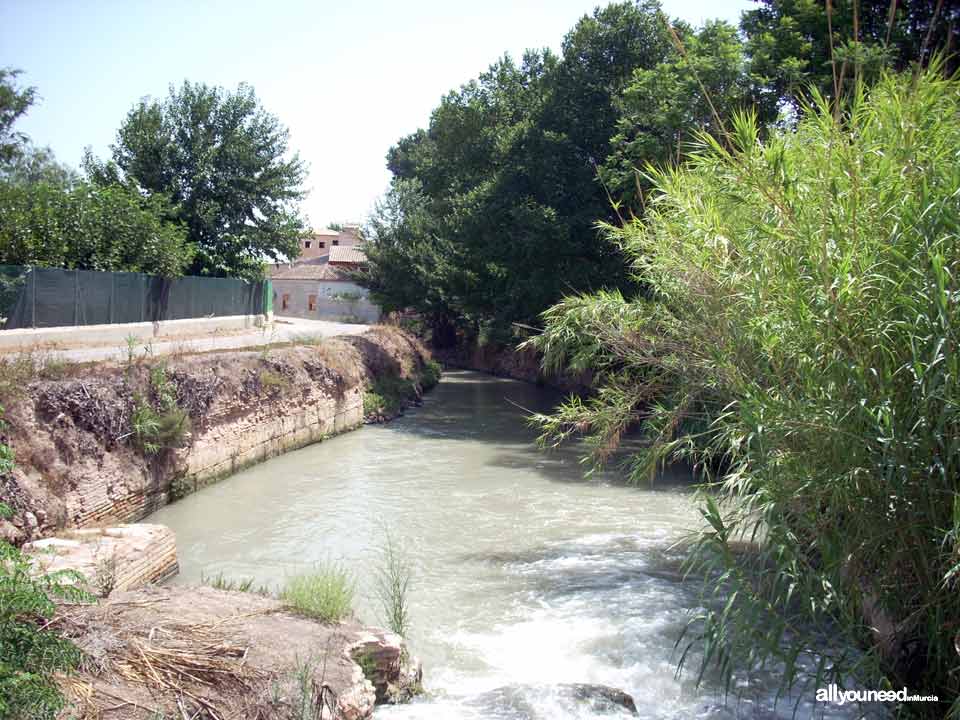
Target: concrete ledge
x=117, y=334
x=124, y=557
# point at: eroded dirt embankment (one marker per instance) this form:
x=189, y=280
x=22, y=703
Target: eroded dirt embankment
x=83, y=442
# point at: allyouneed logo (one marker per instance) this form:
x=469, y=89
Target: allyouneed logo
x=835, y=695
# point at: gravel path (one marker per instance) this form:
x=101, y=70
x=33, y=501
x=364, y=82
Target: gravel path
x=283, y=329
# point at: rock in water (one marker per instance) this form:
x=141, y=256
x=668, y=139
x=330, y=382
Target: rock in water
x=539, y=702
x=602, y=696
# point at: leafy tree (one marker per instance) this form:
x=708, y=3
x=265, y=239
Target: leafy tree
x=14, y=103
x=36, y=165
x=789, y=42
x=223, y=162
x=90, y=228
x=498, y=198
x=49, y=217
x=664, y=108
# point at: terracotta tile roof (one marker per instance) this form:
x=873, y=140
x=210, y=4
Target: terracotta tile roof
x=347, y=254
x=312, y=270
x=324, y=231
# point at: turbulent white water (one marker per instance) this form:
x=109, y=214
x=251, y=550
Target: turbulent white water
x=525, y=574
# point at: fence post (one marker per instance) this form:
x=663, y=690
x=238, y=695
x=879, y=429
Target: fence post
x=33, y=304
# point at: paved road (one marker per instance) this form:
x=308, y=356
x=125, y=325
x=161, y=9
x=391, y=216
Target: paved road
x=283, y=329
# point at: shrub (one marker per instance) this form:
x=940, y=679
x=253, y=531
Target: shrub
x=30, y=649
x=159, y=423
x=392, y=584
x=430, y=374
x=798, y=337
x=388, y=394
x=325, y=593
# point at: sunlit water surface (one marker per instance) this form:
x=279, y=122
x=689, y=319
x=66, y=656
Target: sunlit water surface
x=524, y=572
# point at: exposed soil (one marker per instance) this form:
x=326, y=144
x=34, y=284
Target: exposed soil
x=197, y=652
x=78, y=459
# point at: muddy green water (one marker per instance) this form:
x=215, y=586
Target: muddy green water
x=524, y=572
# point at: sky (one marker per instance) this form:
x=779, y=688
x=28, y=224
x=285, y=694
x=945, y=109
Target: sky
x=347, y=78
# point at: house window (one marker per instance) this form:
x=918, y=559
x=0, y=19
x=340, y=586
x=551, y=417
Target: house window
x=321, y=244
x=285, y=302
x=306, y=243
x=336, y=242
x=312, y=302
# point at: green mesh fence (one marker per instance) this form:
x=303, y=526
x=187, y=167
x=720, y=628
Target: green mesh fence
x=52, y=297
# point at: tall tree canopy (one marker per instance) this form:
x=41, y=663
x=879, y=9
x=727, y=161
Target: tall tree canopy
x=49, y=217
x=663, y=109
x=14, y=103
x=789, y=41
x=224, y=162
x=86, y=227
x=493, y=208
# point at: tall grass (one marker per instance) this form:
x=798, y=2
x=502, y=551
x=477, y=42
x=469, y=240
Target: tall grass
x=326, y=592
x=798, y=339
x=391, y=580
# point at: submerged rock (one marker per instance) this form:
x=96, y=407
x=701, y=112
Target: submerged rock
x=539, y=702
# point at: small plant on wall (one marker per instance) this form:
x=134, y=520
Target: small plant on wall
x=159, y=423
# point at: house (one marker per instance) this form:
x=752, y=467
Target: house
x=319, y=242
x=319, y=285
x=347, y=257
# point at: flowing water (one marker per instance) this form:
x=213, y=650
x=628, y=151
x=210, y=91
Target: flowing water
x=525, y=574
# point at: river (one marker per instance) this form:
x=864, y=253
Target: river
x=524, y=572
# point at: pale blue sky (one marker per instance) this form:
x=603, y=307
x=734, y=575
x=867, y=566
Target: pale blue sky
x=347, y=78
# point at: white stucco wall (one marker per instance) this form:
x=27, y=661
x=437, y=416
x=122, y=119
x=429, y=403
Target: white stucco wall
x=330, y=305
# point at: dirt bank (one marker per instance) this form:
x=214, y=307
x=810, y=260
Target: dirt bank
x=507, y=361
x=110, y=443
x=206, y=653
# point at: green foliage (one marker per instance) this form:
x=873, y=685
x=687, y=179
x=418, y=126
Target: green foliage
x=49, y=218
x=246, y=585
x=30, y=649
x=325, y=593
x=222, y=160
x=29, y=653
x=7, y=459
x=14, y=103
x=798, y=338
x=430, y=374
x=491, y=214
x=392, y=584
x=90, y=228
x=34, y=165
x=388, y=395
x=272, y=380
x=789, y=43
x=158, y=421
x=664, y=107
